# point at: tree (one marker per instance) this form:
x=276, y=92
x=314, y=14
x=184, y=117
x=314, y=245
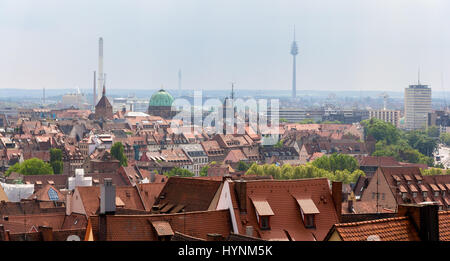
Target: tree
x=279, y=144
x=433, y=132
x=381, y=130
x=306, y=121
x=420, y=141
x=283, y=120
x=179, y=172
x=117, y=151
x=445, y=138
x=434, y=171
x=56, y=161
x=204, y=171
x=242, y=166
x=336, y=162
x=33, y=166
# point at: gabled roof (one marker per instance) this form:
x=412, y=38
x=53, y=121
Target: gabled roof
x=48, y=193
x=90, y=198
x=139, y=227
x=286, y=222
x=378, y=161
x=195, y=194
x=388, y=229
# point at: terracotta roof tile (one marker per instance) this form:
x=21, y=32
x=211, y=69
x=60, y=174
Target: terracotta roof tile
x=389, y=229
x=195, y=194
x=139, y=227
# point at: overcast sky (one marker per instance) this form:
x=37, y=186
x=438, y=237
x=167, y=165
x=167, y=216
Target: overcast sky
x=343, y=44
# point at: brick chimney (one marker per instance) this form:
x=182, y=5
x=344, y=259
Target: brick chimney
x=336, y=194
x=241, y=191
x=46, y=233
x=107, y=197
x=424, y=217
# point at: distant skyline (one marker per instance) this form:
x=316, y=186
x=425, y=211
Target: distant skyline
x=343, y=44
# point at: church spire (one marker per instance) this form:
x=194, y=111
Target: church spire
x=104, y=89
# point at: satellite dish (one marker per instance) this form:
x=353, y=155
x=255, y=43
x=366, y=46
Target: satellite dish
x=73, y=238
x=373, y=238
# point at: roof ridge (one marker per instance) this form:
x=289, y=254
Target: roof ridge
x=371, y=221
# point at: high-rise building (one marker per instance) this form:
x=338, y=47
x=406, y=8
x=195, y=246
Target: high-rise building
x=417, y=106
x=294, y=52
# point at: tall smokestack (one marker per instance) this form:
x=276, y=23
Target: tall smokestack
x=100, y=70
x=294, y=52
x=95, y=93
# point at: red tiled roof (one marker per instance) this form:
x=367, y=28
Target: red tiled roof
x=281, y=196
x=149, y=193
x=195, y=194
x=444, y=225
x=139, y=227
x=90, y=197
x=389, y=229
x=378, y=161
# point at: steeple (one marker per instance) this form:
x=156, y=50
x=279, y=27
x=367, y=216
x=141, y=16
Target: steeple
x=104, y=89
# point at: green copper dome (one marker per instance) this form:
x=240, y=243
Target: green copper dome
x=161, y=98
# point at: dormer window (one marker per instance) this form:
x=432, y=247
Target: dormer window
x=308, y=211
x=424, y=194
x=263, y=213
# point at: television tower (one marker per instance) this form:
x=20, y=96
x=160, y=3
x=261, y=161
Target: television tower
x=294, y=52
x=100, y=70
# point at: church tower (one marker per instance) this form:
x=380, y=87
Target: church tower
x=103, y=109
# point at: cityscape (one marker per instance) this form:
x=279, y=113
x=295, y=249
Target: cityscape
x=107, y=161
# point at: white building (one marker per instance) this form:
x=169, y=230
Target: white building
x=79, y=180
x=390, y=116
x=417, y=106
x=76, y=99
x=197, y=155
x=130, y=104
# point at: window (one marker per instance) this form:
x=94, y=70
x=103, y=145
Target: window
x=373, y=195
x=264, y=222
x=436, y=193
x=52, y=194
x=424, y=193
x=414, y=194
x=309, y=221
x=443, y=193
x=382, y=196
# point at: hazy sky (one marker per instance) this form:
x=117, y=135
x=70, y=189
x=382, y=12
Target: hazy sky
x=343, y=44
